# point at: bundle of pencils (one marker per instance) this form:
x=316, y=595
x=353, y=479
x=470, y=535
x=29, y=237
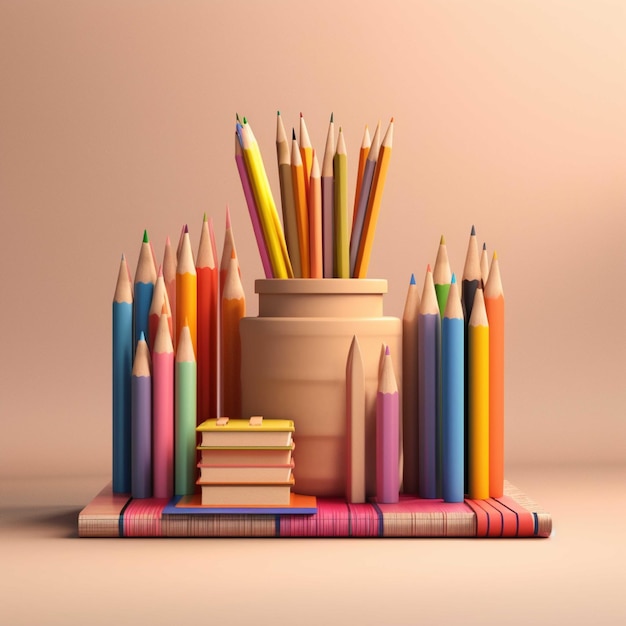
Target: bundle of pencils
x=453, y=377
x=168, y=329
x=319, y=237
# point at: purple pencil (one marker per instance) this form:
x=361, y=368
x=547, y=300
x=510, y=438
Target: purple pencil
x=141, y=422
x=428, y=331
x=328, y=201
x=252, y=209
x=387, y=434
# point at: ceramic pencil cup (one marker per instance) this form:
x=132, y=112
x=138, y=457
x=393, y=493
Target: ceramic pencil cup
x=293, y=366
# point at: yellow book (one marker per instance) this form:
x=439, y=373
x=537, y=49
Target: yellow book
x=255, y=432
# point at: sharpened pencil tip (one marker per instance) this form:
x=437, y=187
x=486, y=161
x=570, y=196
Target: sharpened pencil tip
x=412, y=282
x=167, y=241
x=453, y=279
x=237, y=116
x=484, y=246
x=227, y=216
x=332, y=116
x=293, y=133
x=142, y=336
x=160, y=272
x=391, y=121
x=186, y=230
x=473, y=233
x=145, y=237
x=277, y=112
x=387, y=353
x=442, y=241
x=300, y=113
x=428, y=269
x=495, y=255
x=245, y=119
x=204, y=217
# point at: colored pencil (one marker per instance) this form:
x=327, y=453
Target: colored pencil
x=233, y=309
x=306, y=152
x=471, y=280
x=122, y=325
x=410, y=378
x=207, y=277
x=494, y=304
x=141, y=418
x=315, y=221
x=252, y=209
x=185, y=416
x=355, y=428
x=298, y=175
x=366, y=143
x=442, y=275
x=429, y=329
x=268, y=216
x=478, y=400
x=452, y=367
x=187, y=290
x=228, y=251
x=213, y=332
x=484, y=265
x=373, y=205
x=145, y=277
x=159, y=300
x=283, y=153
x=169, y=276
x=387, y=434
x=328, y=197
x=163, y=412
x=340, y=208
x=364, y=189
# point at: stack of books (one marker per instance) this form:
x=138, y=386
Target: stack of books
x=246, y=462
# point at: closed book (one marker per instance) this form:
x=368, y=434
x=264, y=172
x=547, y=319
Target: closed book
x=240, y=432
x=246, y=493
x=245, y=473
x=246, y=455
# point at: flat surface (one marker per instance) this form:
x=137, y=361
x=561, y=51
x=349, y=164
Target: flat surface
x=49, y=576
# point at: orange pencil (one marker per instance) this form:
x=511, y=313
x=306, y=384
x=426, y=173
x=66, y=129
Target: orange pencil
x=306, y=152
x=315, y=220
x=299, y=195
x=233, y=309
x=494, y=303
x=186, y=291
x=206, y=271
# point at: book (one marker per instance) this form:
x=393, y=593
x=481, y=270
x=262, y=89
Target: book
x=235, y=494
x=242, y=433
x=258, y=473
x=246, y=456
x=512, y=515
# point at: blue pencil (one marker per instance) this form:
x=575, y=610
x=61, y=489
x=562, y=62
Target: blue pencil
x=452, y=365
x=141, y=393
x=429, y=330
x=122, y=366
x=145, y=277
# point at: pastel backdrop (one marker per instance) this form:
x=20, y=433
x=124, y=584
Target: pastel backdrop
x=119, y=116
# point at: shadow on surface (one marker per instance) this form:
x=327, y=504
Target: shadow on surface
x=61, y=522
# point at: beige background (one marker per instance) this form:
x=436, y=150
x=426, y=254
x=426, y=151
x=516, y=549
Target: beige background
x=118, y=116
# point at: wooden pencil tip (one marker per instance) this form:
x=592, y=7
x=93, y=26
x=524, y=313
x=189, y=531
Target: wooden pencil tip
x=186, y=230
x=442, y=241
x=237, y=116
x=145, y=237
x=123, y=257
x=387, y=353
x=277, y=112
x=453, y=279
x=495, y=255
x=484, y=246
x=428, y=269
x=300, y=113
x=204, y=217
x=412, y=281
x=391, y=122
x=245, y=119
x=167, y=241
x=293, y=133
x=142, y=336
x=473, y=233
x=332, y=117
x=160, y=272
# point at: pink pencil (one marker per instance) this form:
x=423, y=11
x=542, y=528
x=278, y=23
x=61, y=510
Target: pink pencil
x=163, y=412
x=252, y=209
x=169, y=276
x=387, y=434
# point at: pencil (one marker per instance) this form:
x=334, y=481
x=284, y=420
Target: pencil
x=186, y=290
x=141, y=419
x=169, y=276
x=484, y=264
x=364, y=189
x=159, y=300
x=471, y=281
x=387, y=434
x=213, y=334
x=410, y=378
x=315, y=221
x=340, y=224
x=300, y=202
x=373, y=205
x=145, y=277
x=328, y=193
x=452, y=367
x=122, y=325
x=283, y=153
x=363, y=154
x=163, y=412
x=233, y=309
x=494, y=304
x=429, y=329
x=228, y=251
x=478, y=400
x=306, y=152
x=207, y=277
x=185, y=416
x=355, y=412
x=442, y=275
x=252, y=208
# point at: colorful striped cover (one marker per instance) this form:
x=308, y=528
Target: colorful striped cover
x=513, y=515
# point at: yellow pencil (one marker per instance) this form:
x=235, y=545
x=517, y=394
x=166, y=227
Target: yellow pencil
x=340, y=221
x=373, y=205
x=478, y=400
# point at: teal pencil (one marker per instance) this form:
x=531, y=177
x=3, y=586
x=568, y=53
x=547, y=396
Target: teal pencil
x=122, y=368
x=185, y=416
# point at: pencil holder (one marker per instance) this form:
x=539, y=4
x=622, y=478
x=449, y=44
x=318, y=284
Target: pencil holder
x=293, y=366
